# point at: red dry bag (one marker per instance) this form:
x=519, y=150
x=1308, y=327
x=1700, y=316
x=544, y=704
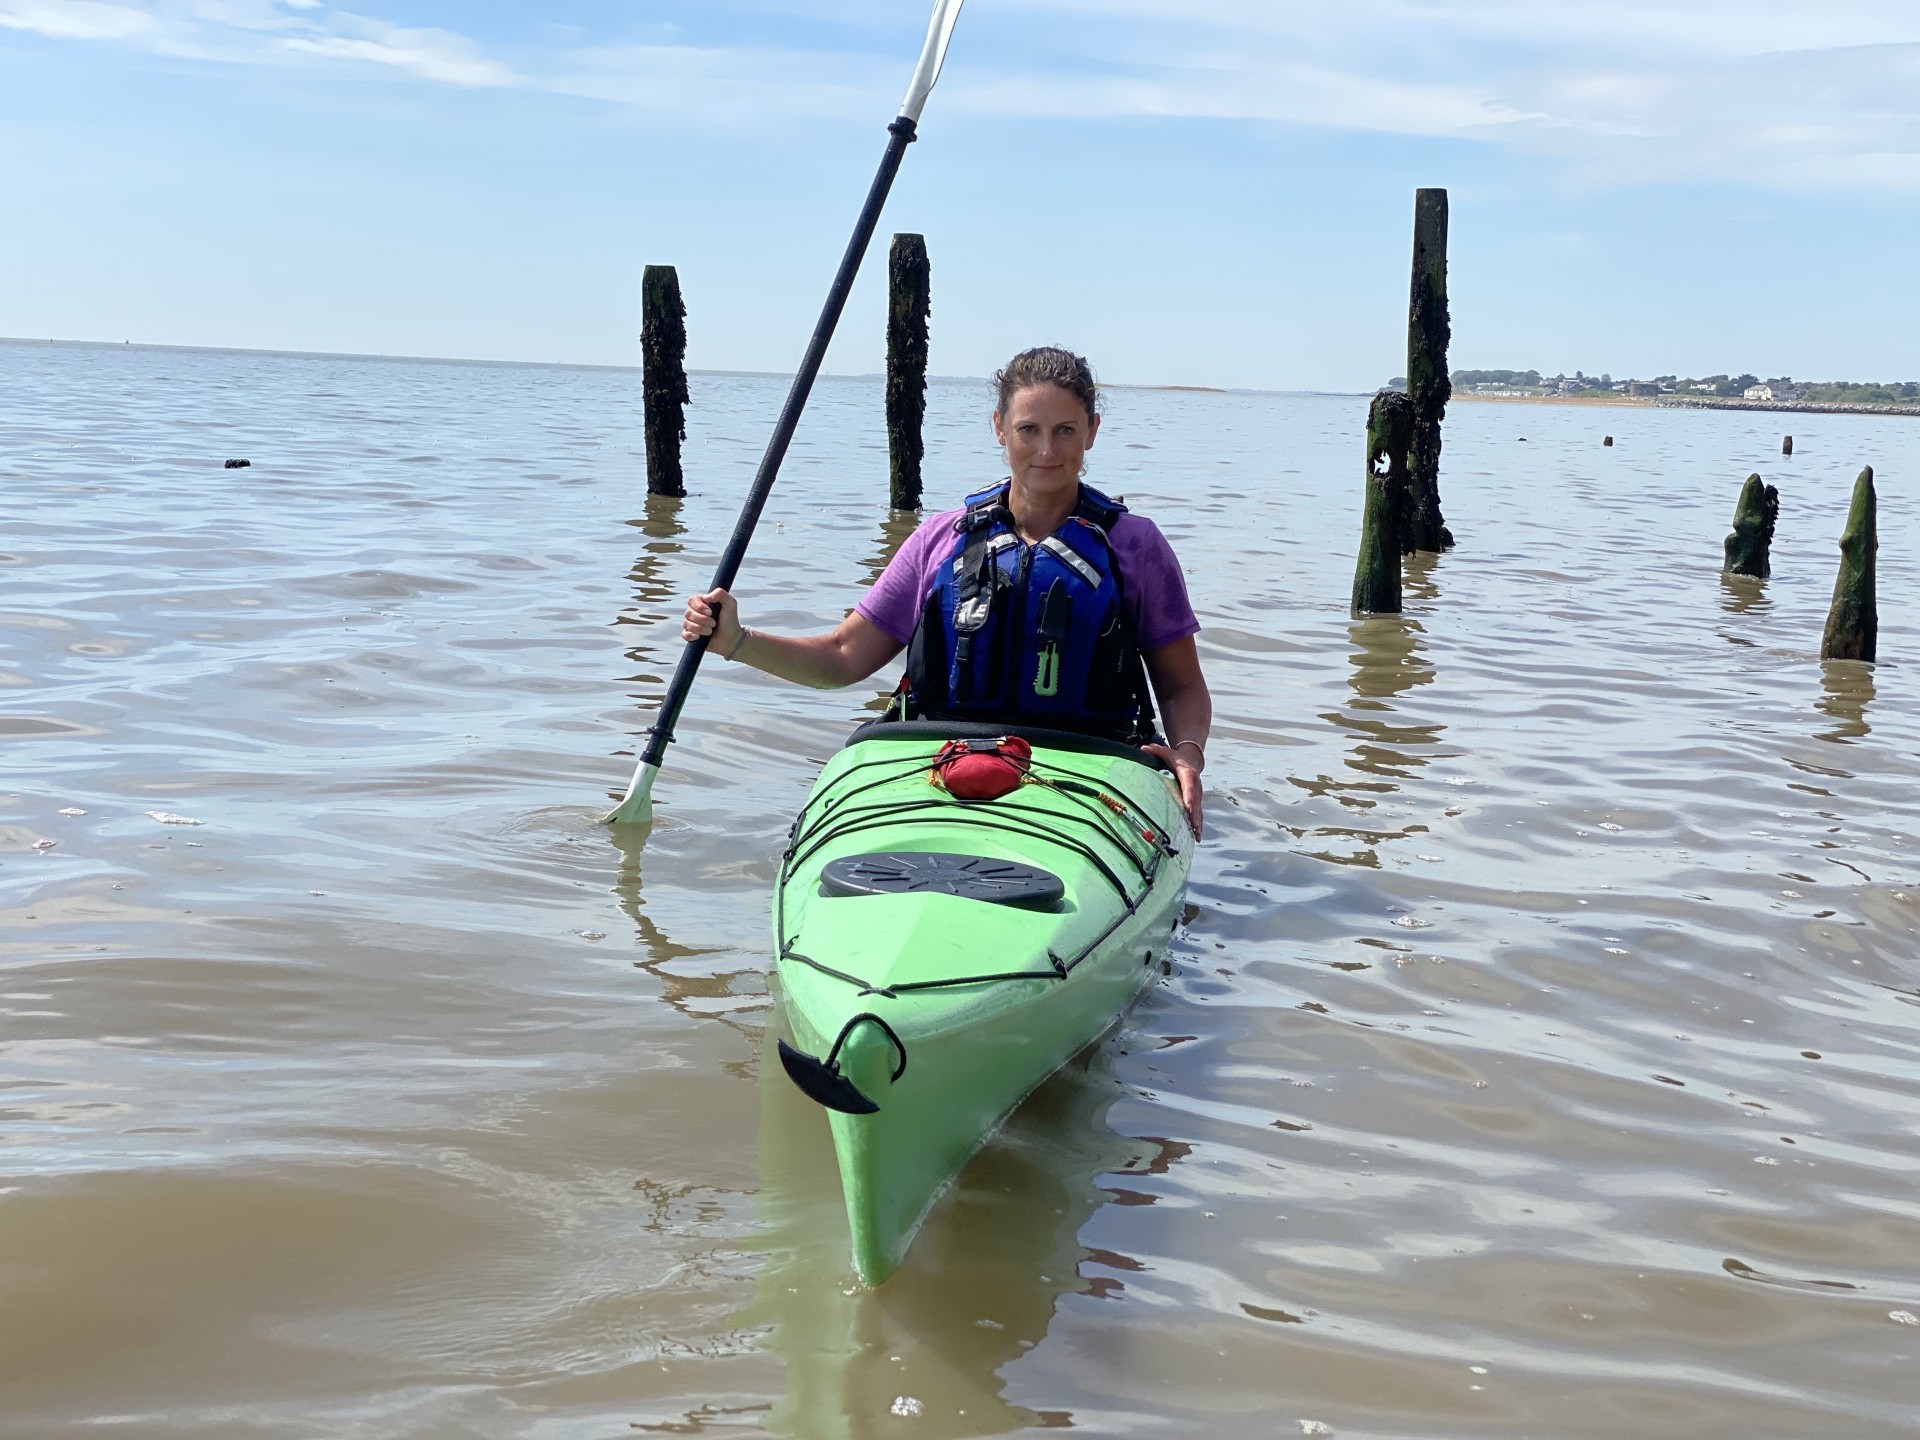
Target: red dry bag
x=981, y=769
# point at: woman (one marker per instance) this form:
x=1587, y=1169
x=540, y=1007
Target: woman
x=1040, y=602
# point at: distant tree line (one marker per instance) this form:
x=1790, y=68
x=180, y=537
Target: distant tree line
x=1724, y=386
x=1847, y=392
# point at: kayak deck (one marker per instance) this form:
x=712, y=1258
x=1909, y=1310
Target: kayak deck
x=938, y=958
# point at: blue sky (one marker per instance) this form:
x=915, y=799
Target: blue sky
x=1192, y=191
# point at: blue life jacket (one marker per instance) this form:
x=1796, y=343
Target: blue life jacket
x=1030, y=634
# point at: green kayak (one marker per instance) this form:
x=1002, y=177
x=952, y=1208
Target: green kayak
x=939, y=958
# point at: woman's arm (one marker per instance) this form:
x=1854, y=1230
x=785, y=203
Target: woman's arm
x=853, y=651
x=1186, y=711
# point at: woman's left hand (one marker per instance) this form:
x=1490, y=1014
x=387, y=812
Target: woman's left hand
x=1188, y=776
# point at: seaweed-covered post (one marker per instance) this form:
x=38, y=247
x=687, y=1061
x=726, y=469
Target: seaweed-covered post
x=663, y=376
x=1429, y=329
x=910, y=297
x=1786, y=445
x=1383, y=523
x=1752, y=538
x=1853, y=624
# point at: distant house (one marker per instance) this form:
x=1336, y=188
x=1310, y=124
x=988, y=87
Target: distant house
x=1642, y=387
x=1759, y=392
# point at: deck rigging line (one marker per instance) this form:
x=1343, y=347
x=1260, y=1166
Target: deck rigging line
x=839, y=817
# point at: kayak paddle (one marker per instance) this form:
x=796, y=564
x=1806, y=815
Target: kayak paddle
x=637, y=807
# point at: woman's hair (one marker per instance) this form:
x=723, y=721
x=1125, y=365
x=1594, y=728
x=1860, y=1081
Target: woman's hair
x=1047, y=365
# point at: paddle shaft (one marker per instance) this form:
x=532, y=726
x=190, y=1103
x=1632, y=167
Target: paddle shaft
x=900, y=134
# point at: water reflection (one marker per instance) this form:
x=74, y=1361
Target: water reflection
x=1387, y=661
x=655, y=596
x=892, y=534
x=649, y=573
x=894, y=531
x=980, y=1286
x=1418, y=577
x=1849, y=690
x=731, y=996
x=1740, y=594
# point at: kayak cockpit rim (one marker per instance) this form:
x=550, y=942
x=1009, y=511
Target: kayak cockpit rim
x=1035, y=735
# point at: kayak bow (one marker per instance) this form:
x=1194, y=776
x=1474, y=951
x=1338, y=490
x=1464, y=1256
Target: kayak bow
x=939, y=958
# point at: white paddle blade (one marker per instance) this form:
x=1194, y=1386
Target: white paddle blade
x=637, y=808
x=946, y=13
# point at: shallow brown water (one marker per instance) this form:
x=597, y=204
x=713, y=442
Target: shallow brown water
x=1541, y=1057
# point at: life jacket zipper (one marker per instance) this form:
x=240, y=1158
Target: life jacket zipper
x=1016, y=671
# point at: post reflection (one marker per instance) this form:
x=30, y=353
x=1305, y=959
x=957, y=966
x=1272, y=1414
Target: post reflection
x=979, y=1288
x=893, y=533
x=662, y=525
x=1742, y=595
x=1417, y=578
x=1849, y=690
x=1387, y=660
x=735, y=997
x=655, y=593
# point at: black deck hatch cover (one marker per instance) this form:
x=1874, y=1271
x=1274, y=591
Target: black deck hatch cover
x=914, y=872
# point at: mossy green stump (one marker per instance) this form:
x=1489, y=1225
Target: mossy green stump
x=910, y=300
x=1853, y=624
x=1383, y=523
x=1749, y=546
x=663, y=377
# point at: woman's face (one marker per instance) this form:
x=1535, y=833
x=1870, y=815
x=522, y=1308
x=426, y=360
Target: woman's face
x=1046, y=432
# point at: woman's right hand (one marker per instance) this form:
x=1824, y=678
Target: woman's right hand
x=715, y=613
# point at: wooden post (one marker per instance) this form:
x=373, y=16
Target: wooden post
x=1608, y=442
x=1429, y=330
x=1786, y=445
x=910, y=298
x=1383, y=522
x=1753, y=520
x=1853, y=624
x=663, y=377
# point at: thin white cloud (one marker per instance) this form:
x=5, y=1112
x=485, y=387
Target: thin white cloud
x=729, y=86
x=1778, y=92
x=78, y=19
x=262, y=31
x=1285, y=92
x=438, y=55
x=1625, y=91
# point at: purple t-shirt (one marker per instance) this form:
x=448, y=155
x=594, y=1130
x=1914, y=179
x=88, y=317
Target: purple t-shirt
x=1156, y=591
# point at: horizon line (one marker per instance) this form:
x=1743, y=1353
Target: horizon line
x=617, y=369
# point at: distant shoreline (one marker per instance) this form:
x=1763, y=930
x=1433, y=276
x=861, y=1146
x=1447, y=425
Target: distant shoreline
x=1787, y=407
x=1639, y=401
x=1696, y=402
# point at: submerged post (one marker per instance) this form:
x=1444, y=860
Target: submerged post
x=1429, y=329
x=1752, y=538
x=910, y=298
x=1786, y=445
x=663, y=376
x=1383, y=523
x=1853, y=624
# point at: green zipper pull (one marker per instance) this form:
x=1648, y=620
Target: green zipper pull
x=1046, y=679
